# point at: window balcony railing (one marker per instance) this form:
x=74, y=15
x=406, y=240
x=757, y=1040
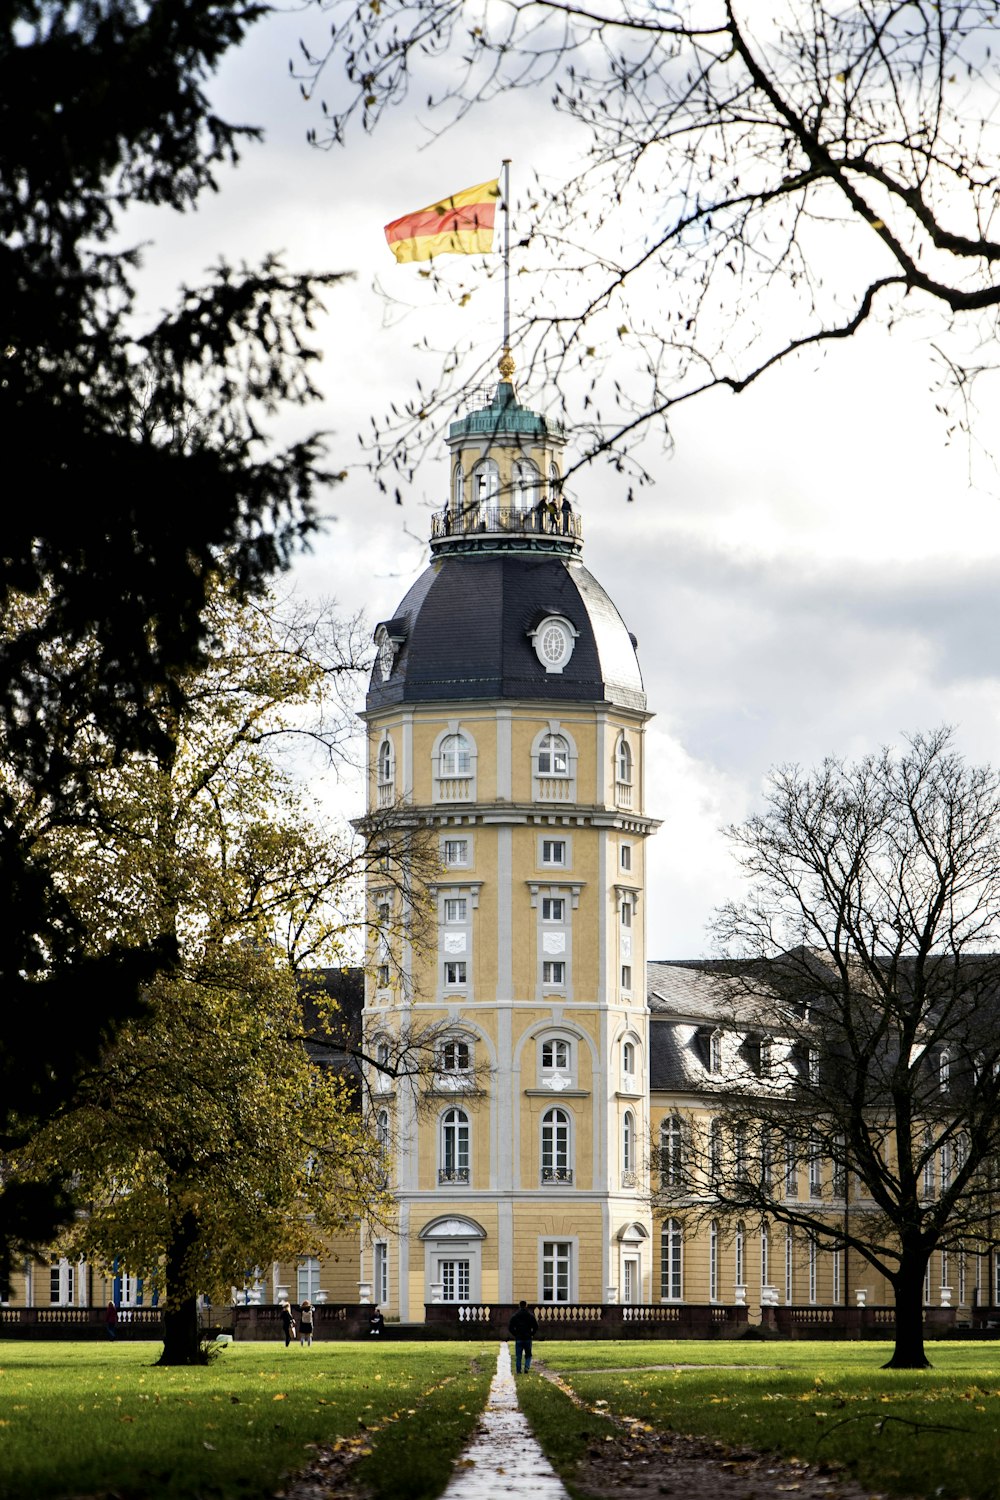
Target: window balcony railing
x=554, y=789
x=623, y=793
x=453, y=1176
x=562, y=1175
x=455, y=789
x=386, y=793
x=506, y=519
x=630, y=1179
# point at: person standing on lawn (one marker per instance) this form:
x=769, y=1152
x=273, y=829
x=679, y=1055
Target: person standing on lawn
x=306, y=1323
x=111, y=1321
x=524, y=1327
x=287, y=1323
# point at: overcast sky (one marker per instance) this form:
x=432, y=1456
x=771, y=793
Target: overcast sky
x=814, y=571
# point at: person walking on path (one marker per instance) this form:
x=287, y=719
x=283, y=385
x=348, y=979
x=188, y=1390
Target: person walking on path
x=524, y=1327
x=306, y=1324
x=287, y=1323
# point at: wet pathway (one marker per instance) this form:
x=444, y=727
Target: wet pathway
x=504, y=1458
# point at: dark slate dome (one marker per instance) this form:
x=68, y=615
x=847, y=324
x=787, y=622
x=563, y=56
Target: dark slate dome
x=464, y=631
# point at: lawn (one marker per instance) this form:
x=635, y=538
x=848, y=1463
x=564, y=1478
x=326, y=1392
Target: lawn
x=923, y=1433
x=89, y=1419
x=84, y=1419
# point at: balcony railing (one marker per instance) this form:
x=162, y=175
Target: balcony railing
x=557, y=1175
x=453, y=1176
x=542, y=520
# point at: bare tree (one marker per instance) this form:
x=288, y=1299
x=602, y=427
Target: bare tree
x=794, y=171
x=857, y=1074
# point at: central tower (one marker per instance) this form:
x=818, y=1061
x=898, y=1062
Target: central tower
x=506, y=717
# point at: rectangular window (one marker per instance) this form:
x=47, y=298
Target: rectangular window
x=626, y=976
x=61, y=1283
x=553, y=851
x=625, y=854
x=307, y=1278
x=455, y=851
x=455, y=1280
x=791, y=1167
x=383, y=976
x=553, y=971
x=381, y=1269
x=836, y=1276
x=815, y=1170
x=454, y=972
x=456, y=909
x=553, y=909
x=556, y=1256
x=626, y=912
x=671, y=1262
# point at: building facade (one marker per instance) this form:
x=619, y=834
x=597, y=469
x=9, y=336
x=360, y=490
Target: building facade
x=506, y=720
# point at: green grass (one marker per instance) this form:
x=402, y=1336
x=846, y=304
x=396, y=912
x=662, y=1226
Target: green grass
x=86, y=1419
x=563, y=1429
x=827, y=1402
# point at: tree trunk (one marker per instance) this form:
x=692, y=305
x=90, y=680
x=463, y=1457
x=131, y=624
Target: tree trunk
x=908, y=1285
x=181, y=1330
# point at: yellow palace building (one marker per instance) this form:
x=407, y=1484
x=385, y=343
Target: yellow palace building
x=506, y=718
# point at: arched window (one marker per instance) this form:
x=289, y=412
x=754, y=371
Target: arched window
x=456, y=756
x=383, y=1076
x=556, y=1165
x=454, y=1147
x=628, y=1146
x=671, y=1150
x=944, y=1069
x=553, y=481
x=382, y=1129
x=628, y=1059
x=386, y=772
x=671, y=1261
x=458, y=487
x=624, y=761
x=525, y=484
x=455, y=1056
x=555, y=1055
x=486, y=482
x=553, y=756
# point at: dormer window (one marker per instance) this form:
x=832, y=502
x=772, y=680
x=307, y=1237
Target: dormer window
x=715, y=1053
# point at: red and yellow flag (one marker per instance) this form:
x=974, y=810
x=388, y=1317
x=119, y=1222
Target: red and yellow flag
x=459, y=225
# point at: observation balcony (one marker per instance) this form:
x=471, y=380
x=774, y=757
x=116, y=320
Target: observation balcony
x=490, y=527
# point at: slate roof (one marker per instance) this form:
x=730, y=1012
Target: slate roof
x=467, y=621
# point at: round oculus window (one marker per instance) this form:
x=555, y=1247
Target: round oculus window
x=553, y=642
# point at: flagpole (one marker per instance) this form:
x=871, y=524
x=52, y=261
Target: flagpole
x=505, y=359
